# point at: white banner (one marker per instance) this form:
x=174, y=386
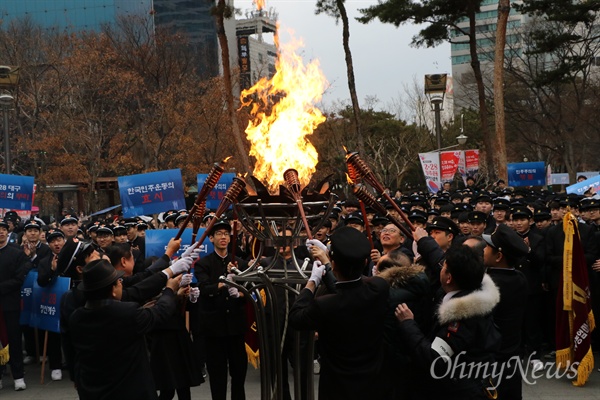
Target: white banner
x=430, y=162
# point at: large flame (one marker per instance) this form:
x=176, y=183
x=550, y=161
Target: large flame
x=283, y=115
x=260, y=4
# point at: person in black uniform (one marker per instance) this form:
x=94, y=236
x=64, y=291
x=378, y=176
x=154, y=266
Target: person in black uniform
x=14, y=266
x=501, y=255
x=464, y=330
x=221, y=317
x=350, y=322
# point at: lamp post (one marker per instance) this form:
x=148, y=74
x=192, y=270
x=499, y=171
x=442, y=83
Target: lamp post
x=9, y=78
x=435, y=90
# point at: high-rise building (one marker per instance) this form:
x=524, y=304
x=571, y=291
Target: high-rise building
x=486, y=23
x=72, y=15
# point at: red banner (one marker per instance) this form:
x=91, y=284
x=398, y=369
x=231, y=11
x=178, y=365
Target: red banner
x=449, y=161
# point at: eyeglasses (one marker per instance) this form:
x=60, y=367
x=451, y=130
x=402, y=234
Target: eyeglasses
x=389, y=230
x=221, y=234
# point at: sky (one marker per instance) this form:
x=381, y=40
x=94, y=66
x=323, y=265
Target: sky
x=384, y=61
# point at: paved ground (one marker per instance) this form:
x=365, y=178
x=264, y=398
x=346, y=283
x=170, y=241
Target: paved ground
x=541, y=388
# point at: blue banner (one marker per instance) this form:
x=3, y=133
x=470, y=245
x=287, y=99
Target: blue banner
x=16, y=192
x=27, y=296
x=216, y=195
x=151, y=193
x=527, y=174
x=45, y=314
x=157, y=240
x=582, y=187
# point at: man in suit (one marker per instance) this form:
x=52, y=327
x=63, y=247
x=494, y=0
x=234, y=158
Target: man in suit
x=111, y=360
x=14, y=266
x=350, y=322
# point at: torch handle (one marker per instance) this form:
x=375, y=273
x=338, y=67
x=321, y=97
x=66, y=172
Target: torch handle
x=395, y=221
x=402, y=215
x=363, y=209
x=303, y=216
x=187, y=220
x=234, y=234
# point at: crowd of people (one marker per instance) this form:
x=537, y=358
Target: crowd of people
x=475, y=282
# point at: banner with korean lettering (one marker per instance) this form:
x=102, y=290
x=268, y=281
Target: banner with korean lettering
x=16, y=192
x=527, y=174
x=430, y=162
x=583, y=186
x=27, y=296
x=151, y=193
x=157, y=240
x=45, y=313
x=449, y=164
x=216, y=195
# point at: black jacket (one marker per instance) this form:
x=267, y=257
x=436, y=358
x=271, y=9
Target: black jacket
x=14, y=267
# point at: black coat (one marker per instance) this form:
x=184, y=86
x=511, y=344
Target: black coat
x=111, y=360
x=218, y=314
x=432, y=257
x=350, y=325
x=533, y=265
x=14, y=267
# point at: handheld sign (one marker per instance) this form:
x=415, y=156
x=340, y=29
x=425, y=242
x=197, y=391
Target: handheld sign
x=16, y=192
x=46, y=304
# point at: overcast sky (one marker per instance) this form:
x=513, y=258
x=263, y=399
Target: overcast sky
x=383, y=59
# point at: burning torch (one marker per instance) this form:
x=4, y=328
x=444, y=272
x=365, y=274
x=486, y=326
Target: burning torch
x=292, y=183
x=197, y=210
x=359, y=167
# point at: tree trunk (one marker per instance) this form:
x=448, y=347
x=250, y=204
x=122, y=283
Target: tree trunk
x=350, y=72
x=243, y=153
x=499, y=153
x=488, y=136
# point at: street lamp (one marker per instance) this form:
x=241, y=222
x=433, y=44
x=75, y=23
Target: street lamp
x=9, y=78
x=435, y=90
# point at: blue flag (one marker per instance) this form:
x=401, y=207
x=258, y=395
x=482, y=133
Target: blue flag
x=527, y=174
x=16, y=192
x=151, y=193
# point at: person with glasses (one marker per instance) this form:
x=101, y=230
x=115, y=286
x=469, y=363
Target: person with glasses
x=221, y=317
x=391, y=238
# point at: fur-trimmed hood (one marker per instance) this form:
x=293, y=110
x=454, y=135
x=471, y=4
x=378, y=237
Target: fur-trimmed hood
x=400, y=276
x=478, y=303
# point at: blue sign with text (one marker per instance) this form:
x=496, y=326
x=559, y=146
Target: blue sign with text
x=527, y=174
x=216, y=195
x=157, y=240
x=16, y=192
x=45, y=313
x=580, y=188
x=27, y=297
x=151, y=193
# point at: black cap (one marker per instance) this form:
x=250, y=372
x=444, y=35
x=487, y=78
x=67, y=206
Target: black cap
x=119, y=230
x=380, y=220
x=32, y=223
x=220, y=224
x=69, y=218
x=417, y=216
x=349, y=245
x=4, y=223
x=483, y=198
x=443, y=224
x=351, y=203
x=104, y=228
x=181, y=217
x=506, y=240
x=54, y=233
x=99, y=274
x=501, y=203
x=477, y=216
x=130, y=222
x=71, y=254
x=589, y=204
x=521, y=212
x=433, y=211
x=355, y=217
x=542, y=214
x=170, y=215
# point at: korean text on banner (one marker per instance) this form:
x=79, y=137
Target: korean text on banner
x=157, y=240
x=527, y=174
x=430, y=162
x=151, y=193
x=582, y=187
x=27, y=297
x=16, y=192
x=45, y=313
x=216, y=195
x=449, y=161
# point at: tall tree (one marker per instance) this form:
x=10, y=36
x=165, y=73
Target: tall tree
x=443, y=18
x=499, y=153
x=337, y=10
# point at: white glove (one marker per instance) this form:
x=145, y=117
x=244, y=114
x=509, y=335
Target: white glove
x=194, y=294
x=318, y=270
x=317, y=243
x=186, y=279
x=190, y=250
x=230, y=276
x=374, y=272
x=233, y=292
x=182, y=265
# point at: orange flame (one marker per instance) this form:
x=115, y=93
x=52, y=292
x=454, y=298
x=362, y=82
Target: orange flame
x=349, y=180
x=260, y=4
x=283, y=115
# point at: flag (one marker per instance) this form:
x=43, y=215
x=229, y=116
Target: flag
x=574, y=316
x=251, y=336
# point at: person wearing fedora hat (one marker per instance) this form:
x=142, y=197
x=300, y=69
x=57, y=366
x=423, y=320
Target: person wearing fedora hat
x=350, y=321
x=108, y=336
x=14, y=266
